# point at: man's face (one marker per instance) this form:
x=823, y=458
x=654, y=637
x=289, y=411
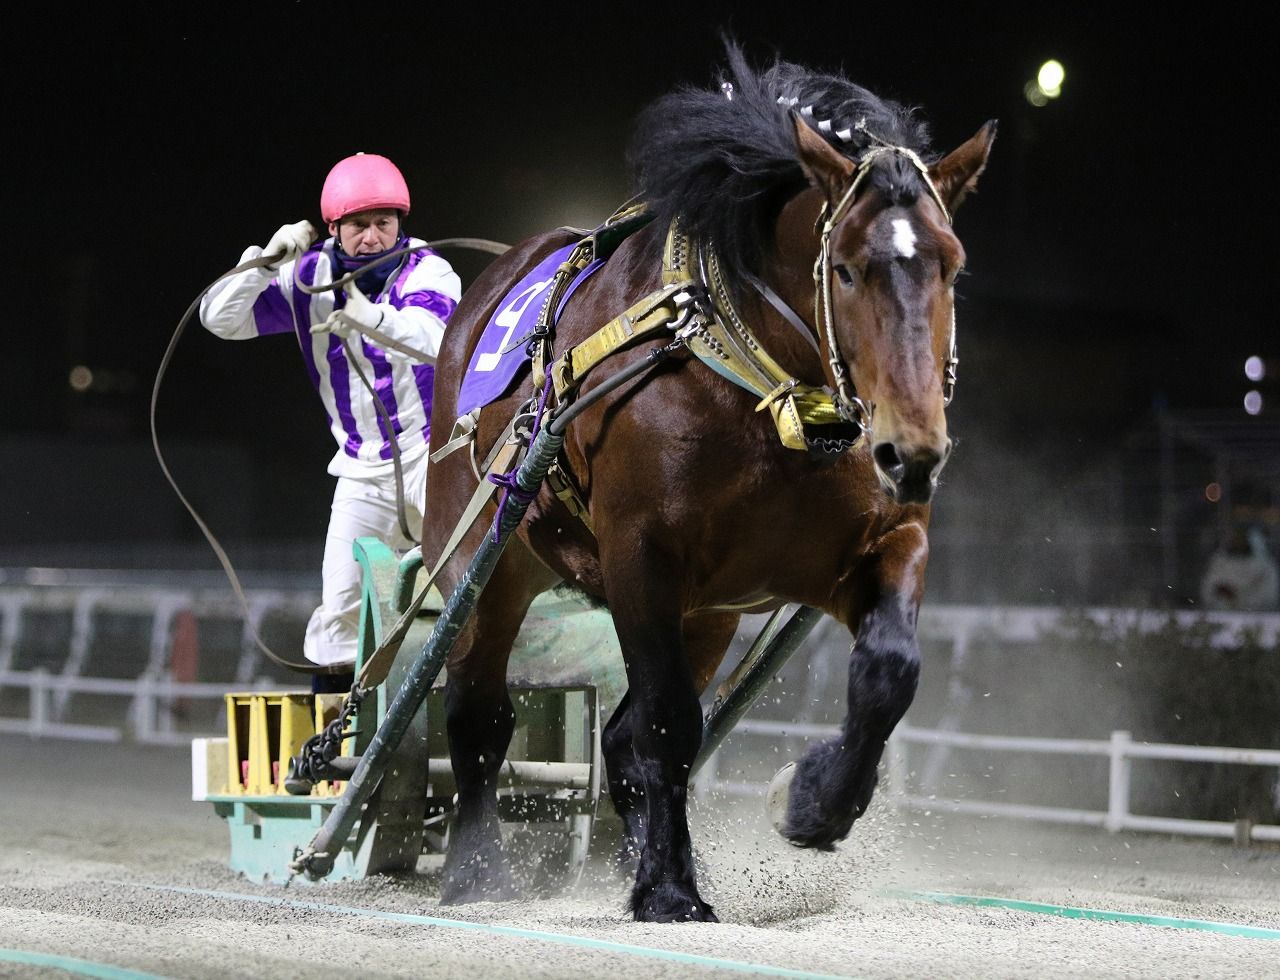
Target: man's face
x=367, y=232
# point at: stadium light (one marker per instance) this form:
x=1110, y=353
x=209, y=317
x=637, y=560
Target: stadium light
x=1050, y=78
x=1047, y=84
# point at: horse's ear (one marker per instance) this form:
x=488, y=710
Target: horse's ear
x=827, y=169
x=956, y=174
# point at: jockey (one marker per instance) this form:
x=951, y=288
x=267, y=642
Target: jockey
x=408, y=299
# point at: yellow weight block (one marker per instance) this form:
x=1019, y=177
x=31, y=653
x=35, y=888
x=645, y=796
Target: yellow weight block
x=263, y=732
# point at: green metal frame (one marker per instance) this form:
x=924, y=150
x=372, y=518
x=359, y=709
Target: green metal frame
x=566, y=676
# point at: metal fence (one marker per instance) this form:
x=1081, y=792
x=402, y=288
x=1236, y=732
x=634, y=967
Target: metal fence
x=1120, y=750
x=60, y=682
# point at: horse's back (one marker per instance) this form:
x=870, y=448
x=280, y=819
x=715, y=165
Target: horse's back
x=450, y=479
x=473, y=313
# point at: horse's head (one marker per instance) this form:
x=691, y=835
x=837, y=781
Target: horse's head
x=885, y=315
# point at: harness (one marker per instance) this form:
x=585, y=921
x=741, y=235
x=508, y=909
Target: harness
x=847, y=402
x=694, y=303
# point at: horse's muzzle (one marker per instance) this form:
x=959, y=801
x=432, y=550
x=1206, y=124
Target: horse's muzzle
x=910, y=475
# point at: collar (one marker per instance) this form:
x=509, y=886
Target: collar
x=377, y=272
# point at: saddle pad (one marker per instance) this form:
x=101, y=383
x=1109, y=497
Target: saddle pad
x=502, y=354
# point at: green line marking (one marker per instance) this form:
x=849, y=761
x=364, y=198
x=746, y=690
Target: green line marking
x=1098, y=915
x=562, y=939
x=72, y=965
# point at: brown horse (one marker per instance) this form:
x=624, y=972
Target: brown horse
x=817, y=225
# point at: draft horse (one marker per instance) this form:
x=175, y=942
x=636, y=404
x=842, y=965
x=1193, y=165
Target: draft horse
x=786, y=452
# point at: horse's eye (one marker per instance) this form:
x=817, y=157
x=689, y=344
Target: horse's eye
x=950, y=276
x=843, y=273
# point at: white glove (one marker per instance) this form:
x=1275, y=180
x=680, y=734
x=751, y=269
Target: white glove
x=358, y=312
x=289, y=242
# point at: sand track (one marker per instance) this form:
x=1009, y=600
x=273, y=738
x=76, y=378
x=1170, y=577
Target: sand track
x=104, y=858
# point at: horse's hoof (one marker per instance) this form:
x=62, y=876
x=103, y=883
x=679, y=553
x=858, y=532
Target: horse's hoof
x=695, y=912
x=473, y=881
x=779, y=796
x=465, y=894
x=672, y=902
x=802, y=813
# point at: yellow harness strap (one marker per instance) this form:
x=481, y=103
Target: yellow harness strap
x=727, y=345
x=649, y=316
x=719, y=337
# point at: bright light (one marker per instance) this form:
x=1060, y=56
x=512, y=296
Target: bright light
x=81, y=378
x=1050, y=77
x=1213, y=493
x=1255, y=369
x=1253, y=402
x=1046, y=85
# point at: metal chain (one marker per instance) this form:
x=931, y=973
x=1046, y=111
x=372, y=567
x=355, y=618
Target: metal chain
x=325, y=746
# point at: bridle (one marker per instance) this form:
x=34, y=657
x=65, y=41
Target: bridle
x=852, y=408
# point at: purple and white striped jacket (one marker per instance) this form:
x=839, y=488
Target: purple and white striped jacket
x=417, y=300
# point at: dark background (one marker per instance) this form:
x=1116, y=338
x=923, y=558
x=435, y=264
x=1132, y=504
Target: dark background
x=1121, y=253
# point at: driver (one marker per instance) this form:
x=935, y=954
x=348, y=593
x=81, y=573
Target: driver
x=409, y=298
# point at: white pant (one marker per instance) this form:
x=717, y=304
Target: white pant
x=361, y=508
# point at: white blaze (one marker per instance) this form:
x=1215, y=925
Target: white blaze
x=904, y=239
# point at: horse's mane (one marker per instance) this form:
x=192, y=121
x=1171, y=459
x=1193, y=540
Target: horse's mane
x=726, y=164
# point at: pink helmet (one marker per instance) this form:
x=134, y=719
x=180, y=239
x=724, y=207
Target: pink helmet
x=360, y=183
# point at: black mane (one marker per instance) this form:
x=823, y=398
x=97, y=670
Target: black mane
x=728, y=164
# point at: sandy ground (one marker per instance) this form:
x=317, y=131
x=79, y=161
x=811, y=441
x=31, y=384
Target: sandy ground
x=86, y=830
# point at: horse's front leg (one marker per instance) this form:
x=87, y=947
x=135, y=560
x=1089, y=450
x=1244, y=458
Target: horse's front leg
x=833, y=783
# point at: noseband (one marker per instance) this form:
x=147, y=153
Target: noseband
x=852, y=408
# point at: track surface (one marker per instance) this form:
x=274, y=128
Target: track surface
x=103, y=858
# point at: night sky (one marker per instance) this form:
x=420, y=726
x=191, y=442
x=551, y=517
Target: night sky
x=1125, y=227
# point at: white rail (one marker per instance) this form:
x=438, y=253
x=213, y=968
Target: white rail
x=148, y=719
x=88, y=598
x=1120, y=749
x=1031, y=623
x=146, y=716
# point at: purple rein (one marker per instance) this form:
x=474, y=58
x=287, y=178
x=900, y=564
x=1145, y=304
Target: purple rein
x=510, y=486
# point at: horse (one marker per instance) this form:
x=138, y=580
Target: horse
x=813, y=222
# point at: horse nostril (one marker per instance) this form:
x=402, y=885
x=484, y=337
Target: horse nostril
x=887, y=458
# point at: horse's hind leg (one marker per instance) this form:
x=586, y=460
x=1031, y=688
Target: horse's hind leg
x=665, y=721
x=834, y=781
x=480, y=719
x=706, y=637
x=626, y=786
